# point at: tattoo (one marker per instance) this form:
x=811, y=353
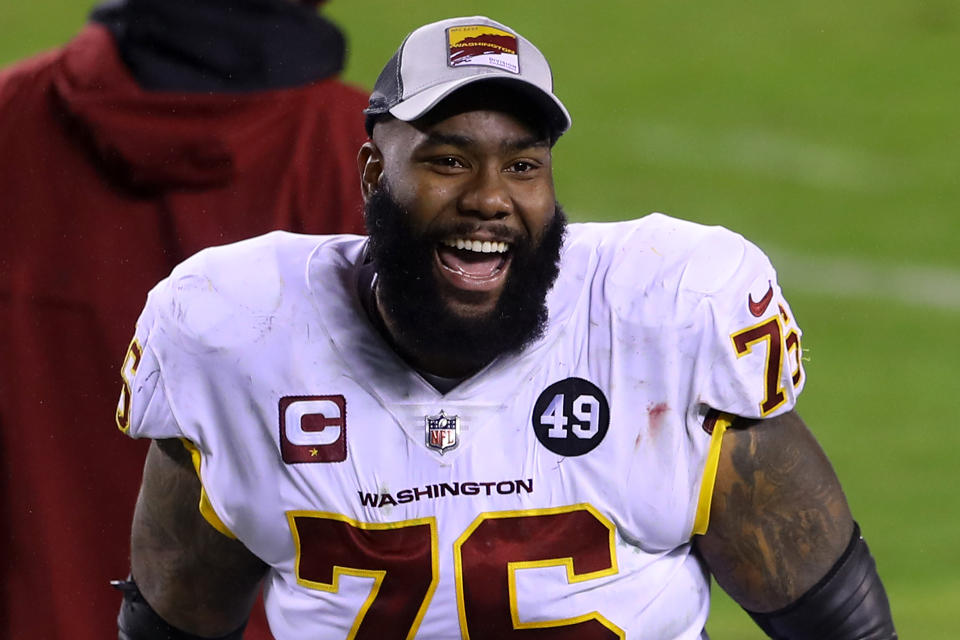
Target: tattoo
x=192, y=575
x=779, y=519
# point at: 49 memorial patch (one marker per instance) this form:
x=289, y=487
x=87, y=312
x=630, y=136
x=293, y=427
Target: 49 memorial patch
x=571, y=417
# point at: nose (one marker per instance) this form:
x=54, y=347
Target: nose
x=487, y=195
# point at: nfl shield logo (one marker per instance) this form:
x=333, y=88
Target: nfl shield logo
x=443, y=432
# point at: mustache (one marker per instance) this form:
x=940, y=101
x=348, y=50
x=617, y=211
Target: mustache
x=493, y=230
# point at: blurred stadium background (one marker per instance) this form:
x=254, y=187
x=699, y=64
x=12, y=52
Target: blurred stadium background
x=828, y=133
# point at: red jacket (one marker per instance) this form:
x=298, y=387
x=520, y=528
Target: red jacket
x=104, y=187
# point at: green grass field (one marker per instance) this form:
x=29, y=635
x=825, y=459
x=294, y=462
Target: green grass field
x=828, y=133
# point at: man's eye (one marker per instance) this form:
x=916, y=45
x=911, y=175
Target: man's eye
x=522, y=166
x=448, y=162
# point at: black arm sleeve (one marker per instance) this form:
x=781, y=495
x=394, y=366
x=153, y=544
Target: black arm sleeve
x=138, y=620
x=849, y=603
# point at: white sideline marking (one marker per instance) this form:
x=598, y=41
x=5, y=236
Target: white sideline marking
x=772, y=154
x=908, y=284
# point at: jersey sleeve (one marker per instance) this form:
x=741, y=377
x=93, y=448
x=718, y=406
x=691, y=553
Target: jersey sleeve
x=144, y=410
x=749, y=360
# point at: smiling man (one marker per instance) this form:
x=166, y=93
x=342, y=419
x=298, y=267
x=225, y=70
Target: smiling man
x=471, y=230
x=479, y=422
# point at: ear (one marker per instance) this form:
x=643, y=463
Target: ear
x=370, y=164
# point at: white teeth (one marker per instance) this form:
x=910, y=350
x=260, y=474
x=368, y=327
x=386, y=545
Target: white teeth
x=485, y=246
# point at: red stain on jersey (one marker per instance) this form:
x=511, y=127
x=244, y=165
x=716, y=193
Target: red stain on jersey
x=655, y=414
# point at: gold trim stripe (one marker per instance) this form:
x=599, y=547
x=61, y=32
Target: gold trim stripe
x=702, y=520
x=206, y=509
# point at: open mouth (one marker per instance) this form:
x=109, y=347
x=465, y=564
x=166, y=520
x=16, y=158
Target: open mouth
x=474, y=264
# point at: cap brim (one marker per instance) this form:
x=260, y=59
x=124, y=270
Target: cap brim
x=419, y=105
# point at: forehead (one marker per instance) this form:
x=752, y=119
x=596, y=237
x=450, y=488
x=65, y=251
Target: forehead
x=481, y=129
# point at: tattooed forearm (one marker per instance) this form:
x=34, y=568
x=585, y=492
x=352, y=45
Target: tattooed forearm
x=195, y=577
x=779, y=519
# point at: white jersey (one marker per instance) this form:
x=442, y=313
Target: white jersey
x=557, y=489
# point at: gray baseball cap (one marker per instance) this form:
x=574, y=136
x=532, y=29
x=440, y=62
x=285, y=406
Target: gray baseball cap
x=441, y=57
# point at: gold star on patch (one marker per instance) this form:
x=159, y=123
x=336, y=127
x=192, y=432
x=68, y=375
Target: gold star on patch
x=314, y=452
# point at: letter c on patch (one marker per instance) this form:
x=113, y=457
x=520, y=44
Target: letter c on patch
x=313, y=428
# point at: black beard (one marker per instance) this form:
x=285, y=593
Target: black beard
x=426, y=329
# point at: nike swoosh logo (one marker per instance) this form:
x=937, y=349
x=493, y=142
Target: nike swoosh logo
x=757, y=308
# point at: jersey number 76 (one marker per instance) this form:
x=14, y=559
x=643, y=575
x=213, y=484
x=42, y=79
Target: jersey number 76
x=402, y=559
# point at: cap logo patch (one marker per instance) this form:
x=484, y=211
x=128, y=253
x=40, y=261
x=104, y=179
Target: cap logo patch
x=482, y=45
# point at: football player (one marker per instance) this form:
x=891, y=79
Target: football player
x=479, y=421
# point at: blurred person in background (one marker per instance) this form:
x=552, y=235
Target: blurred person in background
x=163, y=127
